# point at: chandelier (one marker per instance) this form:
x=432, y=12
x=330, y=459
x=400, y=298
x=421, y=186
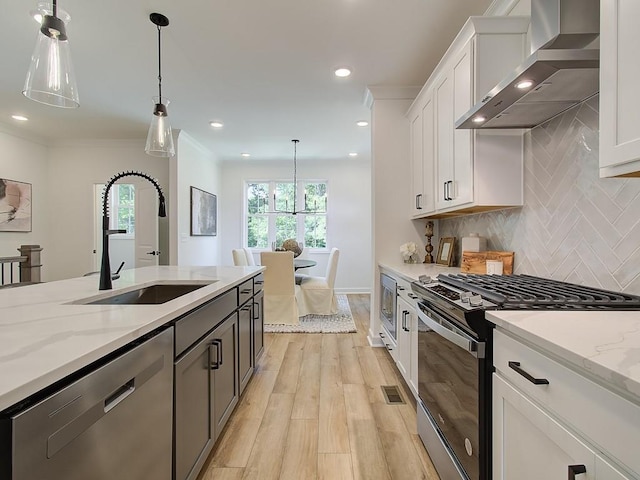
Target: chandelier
x=294, y=210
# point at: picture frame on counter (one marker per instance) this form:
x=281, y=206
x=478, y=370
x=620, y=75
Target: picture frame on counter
x=204, y=213
x=445, y=251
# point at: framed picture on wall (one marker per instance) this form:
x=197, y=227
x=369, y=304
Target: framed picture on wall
x=445, y=251
x=15, y=206
x=204, y=213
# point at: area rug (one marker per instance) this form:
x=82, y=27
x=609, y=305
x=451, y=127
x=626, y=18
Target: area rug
x=341, y=322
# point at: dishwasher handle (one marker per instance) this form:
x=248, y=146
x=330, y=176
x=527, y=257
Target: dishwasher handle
x=119, y=395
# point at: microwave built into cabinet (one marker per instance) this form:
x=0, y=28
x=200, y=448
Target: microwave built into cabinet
x=467, y=171
x=388, y=306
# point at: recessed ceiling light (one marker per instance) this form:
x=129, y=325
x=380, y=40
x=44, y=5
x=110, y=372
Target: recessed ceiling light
x=216, y=124
x=479, y=119
x=342, y=72
x=362, y=123
x=20, y=118
x=524, y=84
x=353, y=154
x=245, y=154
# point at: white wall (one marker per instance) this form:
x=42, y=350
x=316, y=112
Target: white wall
x=349, y=212
x=26, y=161
x=74, y=169
x=194, y=166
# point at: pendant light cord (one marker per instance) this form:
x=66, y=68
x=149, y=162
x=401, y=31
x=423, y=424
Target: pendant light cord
x=159, y=67
x=55, y=8
x=295, y=173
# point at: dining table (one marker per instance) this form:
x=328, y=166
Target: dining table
x=303, y=263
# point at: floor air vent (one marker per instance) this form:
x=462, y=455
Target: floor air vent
x=392, y=394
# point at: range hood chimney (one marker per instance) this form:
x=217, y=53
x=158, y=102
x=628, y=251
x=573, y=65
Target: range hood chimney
x=559, y=74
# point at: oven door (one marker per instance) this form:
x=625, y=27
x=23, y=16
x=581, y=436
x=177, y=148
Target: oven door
x=448, y=386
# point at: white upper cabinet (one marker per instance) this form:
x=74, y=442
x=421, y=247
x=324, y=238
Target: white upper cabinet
x=619, y=93
x=466, y=171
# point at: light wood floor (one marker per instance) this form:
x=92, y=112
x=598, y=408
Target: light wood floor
x=314, y=409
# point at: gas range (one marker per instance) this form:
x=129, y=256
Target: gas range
x=466, y=296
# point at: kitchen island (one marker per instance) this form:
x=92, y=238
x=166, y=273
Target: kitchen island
x=168, y=352
x=45, y=336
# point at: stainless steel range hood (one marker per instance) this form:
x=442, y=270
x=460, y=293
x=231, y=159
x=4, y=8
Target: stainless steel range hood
x=559, y=74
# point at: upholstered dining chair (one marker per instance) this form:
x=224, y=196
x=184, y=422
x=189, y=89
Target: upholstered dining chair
x=316, y=294
x=280, y=305
x=239, y=257
x=250, y=260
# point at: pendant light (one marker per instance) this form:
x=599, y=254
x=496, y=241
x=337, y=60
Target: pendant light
x=160, y=139
x=51, y=79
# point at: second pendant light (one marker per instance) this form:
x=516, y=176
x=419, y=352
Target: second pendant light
x=160, y=138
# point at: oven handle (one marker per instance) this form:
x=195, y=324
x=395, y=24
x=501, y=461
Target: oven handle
x=444, y=328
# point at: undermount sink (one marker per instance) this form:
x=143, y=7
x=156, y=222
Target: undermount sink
x=149, y=295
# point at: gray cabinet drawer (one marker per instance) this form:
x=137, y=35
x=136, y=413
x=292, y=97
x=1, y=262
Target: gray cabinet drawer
x=197, y=323
x=245, y=291
x=258, y=283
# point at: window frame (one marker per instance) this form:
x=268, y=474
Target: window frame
x=271, y=216
x=115, y=207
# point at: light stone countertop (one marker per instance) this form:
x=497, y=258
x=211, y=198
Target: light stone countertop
x=411, y=271
x=604, y=345
x=43, y=337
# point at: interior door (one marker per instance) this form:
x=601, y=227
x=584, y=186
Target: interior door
x=146, y=239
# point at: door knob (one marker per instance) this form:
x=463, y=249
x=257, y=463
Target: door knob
x=154, y=252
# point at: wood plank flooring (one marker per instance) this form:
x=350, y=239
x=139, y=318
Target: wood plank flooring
x=314, y=410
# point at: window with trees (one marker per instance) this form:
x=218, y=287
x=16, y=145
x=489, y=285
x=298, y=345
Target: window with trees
x=268, y=220
x=122, y=208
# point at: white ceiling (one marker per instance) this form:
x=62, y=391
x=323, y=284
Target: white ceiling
x=262, y=67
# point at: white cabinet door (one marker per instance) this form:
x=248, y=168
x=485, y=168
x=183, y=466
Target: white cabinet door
x=416, y=163
x=462, y=191
x=619, y=94
x=428, y=158
x=444, y=139
x=403, y=357
x=530, y=445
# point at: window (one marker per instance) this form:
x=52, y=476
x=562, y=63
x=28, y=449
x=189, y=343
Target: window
x=122, y=213
x=266, y=226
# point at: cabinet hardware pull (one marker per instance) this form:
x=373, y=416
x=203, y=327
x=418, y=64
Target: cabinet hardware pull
x=576, y=470
x=400, y=288
x=536, y=381
x=449, y=183
x=418, y=198
x=218, y=344
x=404, y=320
x=444, y=191
x=245, y=291
x=256, y=310
x=413, y=296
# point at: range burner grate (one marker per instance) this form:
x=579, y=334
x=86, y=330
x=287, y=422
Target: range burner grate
x=529, y=292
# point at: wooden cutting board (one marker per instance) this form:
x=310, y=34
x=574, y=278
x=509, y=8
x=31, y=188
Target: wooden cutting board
x=476, y=262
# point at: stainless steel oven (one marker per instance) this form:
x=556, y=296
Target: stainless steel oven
x=451, y=373
x=455, y=357
x=388, y=304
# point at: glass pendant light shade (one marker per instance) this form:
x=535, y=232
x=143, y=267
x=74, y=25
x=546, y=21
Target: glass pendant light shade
x=160, y=138
x=51, y=78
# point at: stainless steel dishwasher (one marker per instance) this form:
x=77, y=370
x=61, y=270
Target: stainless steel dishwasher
x=114, y=422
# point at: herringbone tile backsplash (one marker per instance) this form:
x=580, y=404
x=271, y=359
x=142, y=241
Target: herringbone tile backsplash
x=574, y=226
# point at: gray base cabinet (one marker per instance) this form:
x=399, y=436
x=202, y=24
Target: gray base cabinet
x=245, y=360
x=216, y=349
x=258, y=326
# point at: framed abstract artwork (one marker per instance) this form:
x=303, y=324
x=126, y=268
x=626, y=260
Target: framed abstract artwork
x=15, y=206
x=204, y=213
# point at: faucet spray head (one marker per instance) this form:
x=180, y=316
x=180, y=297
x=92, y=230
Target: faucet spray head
x=162, y=210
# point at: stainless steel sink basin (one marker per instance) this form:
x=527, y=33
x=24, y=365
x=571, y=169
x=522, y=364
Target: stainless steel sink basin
x=149, y=295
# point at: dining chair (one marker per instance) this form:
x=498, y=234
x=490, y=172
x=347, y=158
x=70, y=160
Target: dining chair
x=250, y=260
x=280, y=290
x=239, y=257
x=316, y=294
